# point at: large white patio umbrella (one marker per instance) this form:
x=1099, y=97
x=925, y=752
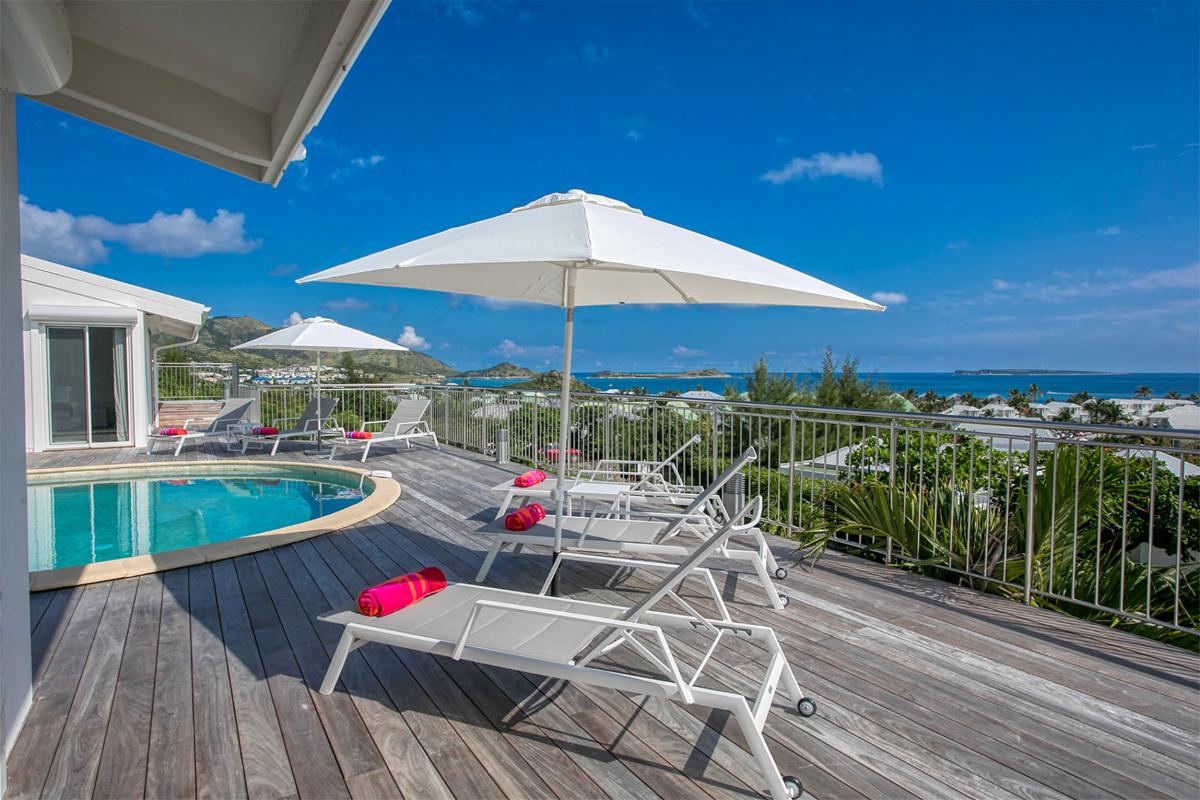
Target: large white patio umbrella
x=579, y=249
x=319, y=335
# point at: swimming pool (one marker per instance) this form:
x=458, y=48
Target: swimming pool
x=81, y=518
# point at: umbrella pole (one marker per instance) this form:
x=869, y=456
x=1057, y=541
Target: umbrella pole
x=320, y=421
x=564, y=421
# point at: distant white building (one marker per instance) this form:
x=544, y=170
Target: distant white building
x=999, y=409
x=962, y=410
x=1185, y=417
x=88, y=354
x=1139, y=409
x=1054, y=408
x=700, y=394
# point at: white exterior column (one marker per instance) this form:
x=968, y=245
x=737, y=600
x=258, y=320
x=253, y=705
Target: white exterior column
x=15, y=670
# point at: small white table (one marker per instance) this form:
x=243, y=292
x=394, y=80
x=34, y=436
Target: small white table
x=601, y=491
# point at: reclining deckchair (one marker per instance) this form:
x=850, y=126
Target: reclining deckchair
x=405, y=425
x=673, y=538
x=632, y=479
x=310, y=423
x=561, y=638
x=231, y=413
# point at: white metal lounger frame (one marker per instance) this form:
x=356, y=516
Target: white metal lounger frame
x=697, y=519
x=396, y=429
x=652, y=484
x=660, y=478
x=751, y=715
x=310, y=425
x=231, y=413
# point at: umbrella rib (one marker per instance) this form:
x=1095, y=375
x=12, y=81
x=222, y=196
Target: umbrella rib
x=687, y=298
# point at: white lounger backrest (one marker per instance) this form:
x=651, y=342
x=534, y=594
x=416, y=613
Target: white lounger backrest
x=232, y=411
x=663, y=464
x=405, y=418
x=319, y=409
x=696, y=507
x=747, y=518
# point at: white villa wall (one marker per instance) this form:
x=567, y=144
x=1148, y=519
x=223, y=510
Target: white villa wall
x=56, y=295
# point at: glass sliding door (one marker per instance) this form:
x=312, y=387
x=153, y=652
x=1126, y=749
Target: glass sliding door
x=67, y=352
x=89, y=385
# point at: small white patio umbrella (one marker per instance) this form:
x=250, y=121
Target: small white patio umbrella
x=319, y=335
x=579, y=249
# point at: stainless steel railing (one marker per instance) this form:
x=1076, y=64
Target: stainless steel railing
x=1095, y=517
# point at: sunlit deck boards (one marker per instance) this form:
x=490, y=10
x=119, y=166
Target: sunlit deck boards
x=202, y=682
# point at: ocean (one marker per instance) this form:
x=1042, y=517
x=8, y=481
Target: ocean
x=1052, y=387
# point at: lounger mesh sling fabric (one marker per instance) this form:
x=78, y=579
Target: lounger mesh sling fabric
x=407, y=424
x=674, y=538
x=563, y=638
x=310, y=423
x=231, y=413
x=658, y=480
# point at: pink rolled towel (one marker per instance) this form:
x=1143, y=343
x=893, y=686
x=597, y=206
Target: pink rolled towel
x=525, y=517
x=530, y=478
x=358, y=435
x=172, y=431
x=395, y=594
x=264, y=430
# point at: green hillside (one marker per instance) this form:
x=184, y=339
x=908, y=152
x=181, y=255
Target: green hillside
x=220, y=334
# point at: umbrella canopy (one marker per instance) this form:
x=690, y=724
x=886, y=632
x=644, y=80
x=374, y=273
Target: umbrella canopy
x=578, y=249
x=319, y=334
x=616, y=253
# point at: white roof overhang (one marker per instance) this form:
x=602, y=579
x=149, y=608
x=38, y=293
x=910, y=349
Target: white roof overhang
x=108, y=300
x=236, y=85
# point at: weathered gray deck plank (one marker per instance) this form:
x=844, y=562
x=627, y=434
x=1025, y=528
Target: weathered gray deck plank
x=926, y=689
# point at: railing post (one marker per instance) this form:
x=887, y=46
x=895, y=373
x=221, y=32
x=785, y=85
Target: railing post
x=791, y=473
x=1029, y=519
x=891, y=480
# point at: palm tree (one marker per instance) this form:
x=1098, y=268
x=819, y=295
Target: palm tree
x=1143, y=391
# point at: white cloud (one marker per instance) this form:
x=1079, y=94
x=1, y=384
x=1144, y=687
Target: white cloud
x=293, y=318
x=1144, y=146
x=347, y=304
x=634, y=135
x=283, y=270
x=369, y=161
x=411, y=340
x=679, y=351
x=1002, y=285
x=61, y=236
x=595, y=53
x=958, y=244
x=509, y=349
x=1067, y=287
x=856, y=166
x=890, y=298
x=1111, y=230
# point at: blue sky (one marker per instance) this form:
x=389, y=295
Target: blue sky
x=1019, y=182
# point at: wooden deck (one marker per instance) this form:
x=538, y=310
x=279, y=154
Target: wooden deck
x=202, y=682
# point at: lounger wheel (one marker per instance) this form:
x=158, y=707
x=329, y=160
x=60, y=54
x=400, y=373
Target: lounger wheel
x=806, y=707
x=785, y=600
x=793, y=786
x=780, y=573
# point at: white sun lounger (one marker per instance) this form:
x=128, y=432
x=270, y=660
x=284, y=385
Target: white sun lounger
x=674, y=538
x=561, y=638
x=231, y=413
x=405, y=425
x=631, y=479
x=310, y=423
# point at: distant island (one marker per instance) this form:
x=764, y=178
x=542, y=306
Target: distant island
x=1027, y=372
x=503, y=371
x=691, y=373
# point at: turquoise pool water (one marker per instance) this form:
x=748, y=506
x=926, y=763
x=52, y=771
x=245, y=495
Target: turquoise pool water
x=73, y=523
